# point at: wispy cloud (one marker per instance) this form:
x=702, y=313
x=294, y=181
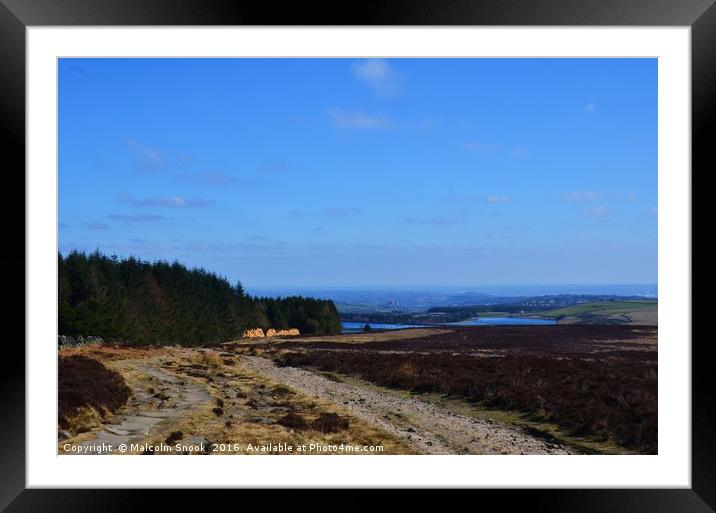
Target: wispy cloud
x=600, y=213
x=378, y=75
x=130, y=219
x=477, y=146
x=169, y=202
x=298, y=213
x=355, y=119
x=609, y=244
x=629, y=196
x=589, y=108
x=495, y=199
x=97, y=226
x=576, y=196
x=149, y=158
x=78, y=69
x=520, y=152
x=342, y=211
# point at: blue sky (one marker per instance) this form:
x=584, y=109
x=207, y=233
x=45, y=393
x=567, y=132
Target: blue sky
x=350, y=172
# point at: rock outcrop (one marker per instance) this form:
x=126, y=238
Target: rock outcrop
x=254, y=333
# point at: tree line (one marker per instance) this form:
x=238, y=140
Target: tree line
x=133, y=301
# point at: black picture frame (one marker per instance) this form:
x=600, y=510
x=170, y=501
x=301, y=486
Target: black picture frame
x=17, y=15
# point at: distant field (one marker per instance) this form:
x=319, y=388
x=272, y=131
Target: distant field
x=602, y=306
x=606, y=312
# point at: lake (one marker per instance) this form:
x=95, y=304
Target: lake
x=356, y=327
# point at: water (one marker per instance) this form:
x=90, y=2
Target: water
x=356, y=327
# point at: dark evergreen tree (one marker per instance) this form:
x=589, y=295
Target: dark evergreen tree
x=136, y=302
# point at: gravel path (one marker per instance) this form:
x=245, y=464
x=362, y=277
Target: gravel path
x=426, y=427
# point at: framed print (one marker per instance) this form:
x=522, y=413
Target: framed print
x=436, y=247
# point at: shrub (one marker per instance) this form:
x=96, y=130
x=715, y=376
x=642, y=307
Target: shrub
x=614, y=398
x=293, y=421
x=174, y=437
x=85, y=384
x=329, y=423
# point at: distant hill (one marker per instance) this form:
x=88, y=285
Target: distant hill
x=566, y=308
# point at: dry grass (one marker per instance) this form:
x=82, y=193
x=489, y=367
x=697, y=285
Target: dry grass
x=253, y=407
x=208, y=358
x=85, y=419
x=114, y=352
x=352, y=338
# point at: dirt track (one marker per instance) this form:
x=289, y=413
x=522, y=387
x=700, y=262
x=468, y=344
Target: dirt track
x=167, y=394
x=426, y=427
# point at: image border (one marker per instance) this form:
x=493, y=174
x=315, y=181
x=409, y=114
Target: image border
x=701, y=18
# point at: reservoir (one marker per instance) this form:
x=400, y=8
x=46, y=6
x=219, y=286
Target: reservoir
x=357, y=327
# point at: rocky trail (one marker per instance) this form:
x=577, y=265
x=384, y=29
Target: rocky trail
x=170, y=397
x=166, y=392
x=428, y=428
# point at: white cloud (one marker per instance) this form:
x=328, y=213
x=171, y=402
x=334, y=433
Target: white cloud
x=170, y=202
x=378, y=74
x=583, y=196
x=149, y=157
x=353, y=119
x=495, y=199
